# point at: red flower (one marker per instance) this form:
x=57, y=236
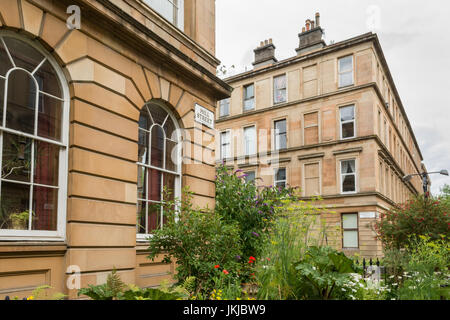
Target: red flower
x=216, y=266
x=252, y=258
x=225, y=271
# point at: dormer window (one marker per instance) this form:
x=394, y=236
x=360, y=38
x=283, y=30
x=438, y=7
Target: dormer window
x=171, y=10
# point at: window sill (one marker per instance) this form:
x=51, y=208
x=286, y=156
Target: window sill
x=32, y=248
x=347, y=86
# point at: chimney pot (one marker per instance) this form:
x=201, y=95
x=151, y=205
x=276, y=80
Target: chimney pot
x=308, y=25
x=311, y=38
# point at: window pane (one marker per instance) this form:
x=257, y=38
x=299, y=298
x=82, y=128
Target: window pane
x=154, y=185
x=348, y=166
x=345, y=79
x=346, y=64
x=350, y=221
x=141, y=217
x=48, y=80
x=281, y=175
x=142, y=175
x=171, y=155
x=158, y=113
x=154, y=218
x=15, y=203
x=24, y=55
x=249, y=92
x=47, y=163
x=144, y=121
x=157, y=151
x=350, y=239
x=348, y=130
x=281, y=184
x=21, y=102
x=143, y=147
x=280, y=126
x=5, y=63
x=248, y=104
x=251, y=176
x=45, y=208
x=348, y=183
x=170, y=129
x=2, y=96
x=49, y=117
x=164, y=8
x=280, y=96
x=250, y=140
x=16, y=158
x=280, y=142
x=280, y=82
x=225, y=107
x=347, y=113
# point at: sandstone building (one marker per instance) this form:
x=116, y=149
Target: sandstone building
x=329, y=121
x=93, y=118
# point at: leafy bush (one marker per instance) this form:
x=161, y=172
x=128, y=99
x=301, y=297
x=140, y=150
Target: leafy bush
x=293, y=230
x=420, y=216
x=116, y=289
x=251, y=208
x=322, y=272
x=198, y=241
x=426, y=270
x=111, y=290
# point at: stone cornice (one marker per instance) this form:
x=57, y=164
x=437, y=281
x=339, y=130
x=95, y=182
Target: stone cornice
x=108, y=14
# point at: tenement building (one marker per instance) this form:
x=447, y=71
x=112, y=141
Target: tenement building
x=328, y=121
x=100, y=104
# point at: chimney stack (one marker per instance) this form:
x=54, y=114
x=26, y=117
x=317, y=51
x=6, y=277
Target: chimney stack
x=311, y=36
x=264, y=54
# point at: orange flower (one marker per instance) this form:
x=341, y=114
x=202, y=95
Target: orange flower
x=216, y=266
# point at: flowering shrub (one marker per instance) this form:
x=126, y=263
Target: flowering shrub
x=425, y=270
x=251, y=208
x=420, y=216
x=201, y=242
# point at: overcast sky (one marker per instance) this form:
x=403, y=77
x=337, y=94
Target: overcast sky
x=414, y=35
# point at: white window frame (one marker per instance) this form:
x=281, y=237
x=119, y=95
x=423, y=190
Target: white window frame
x=177, y=173
x=341, y=123
x=250, y=144
x=60, y=233
x=350, y=229
x=222, y=104
x=342, y=72
x=275, y=181
x=341, y=175
x=178, y=15
x=277, y=134
x=225, y=132
x=250, y=99
x=279, y=89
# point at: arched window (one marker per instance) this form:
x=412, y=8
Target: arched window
x=159, y=166
x=33, y=141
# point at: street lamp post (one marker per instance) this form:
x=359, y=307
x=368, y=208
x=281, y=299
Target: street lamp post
x=424, y=176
